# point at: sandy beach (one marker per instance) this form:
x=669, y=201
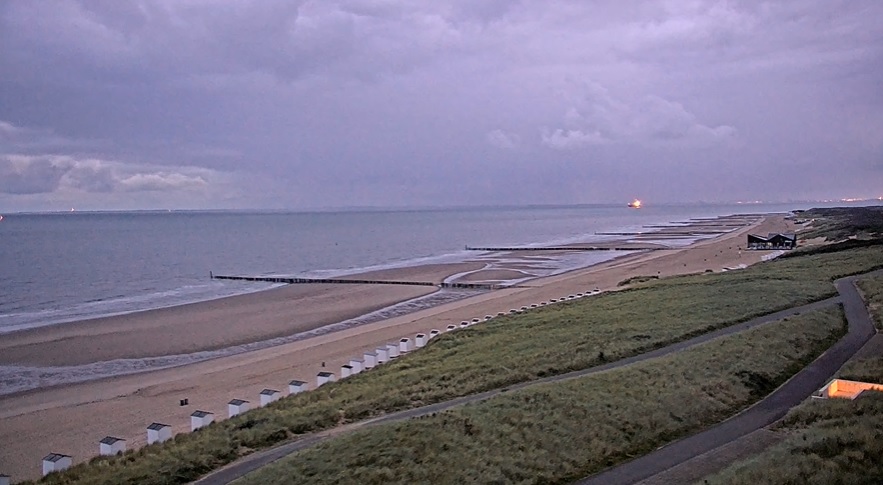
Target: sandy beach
x=72, y=418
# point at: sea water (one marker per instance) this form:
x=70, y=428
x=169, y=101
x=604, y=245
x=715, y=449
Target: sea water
x=60, y=267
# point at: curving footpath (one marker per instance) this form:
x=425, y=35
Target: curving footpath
x=259, y=459
x=764, y=412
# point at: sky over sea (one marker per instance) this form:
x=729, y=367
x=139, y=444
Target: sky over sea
x=227, y=104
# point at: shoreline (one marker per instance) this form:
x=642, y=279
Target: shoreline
x=209, y=321
x=127, y=404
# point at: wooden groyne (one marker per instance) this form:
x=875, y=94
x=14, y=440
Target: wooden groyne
x=339, y=281
x=560, y=248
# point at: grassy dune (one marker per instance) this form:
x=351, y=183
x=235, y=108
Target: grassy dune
x=549, y=340
x=872, y=290
x=555, y=433
x=830, y=441
x=838, y=223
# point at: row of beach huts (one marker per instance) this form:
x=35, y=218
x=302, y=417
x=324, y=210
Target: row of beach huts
x=160, y=432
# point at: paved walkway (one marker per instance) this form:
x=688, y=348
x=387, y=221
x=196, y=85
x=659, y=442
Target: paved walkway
x=717, y=459
x=259, y=459
x=763, y=413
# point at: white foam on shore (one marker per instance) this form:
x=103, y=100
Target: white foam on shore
x=18, y=378
x=124, y=305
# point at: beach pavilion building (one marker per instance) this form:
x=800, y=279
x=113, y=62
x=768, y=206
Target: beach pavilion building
x=772, y=241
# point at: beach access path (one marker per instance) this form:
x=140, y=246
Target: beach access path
x=765, y=412
x=775, y=405
x=127, y=404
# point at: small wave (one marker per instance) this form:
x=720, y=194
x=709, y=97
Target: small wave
x=16, y=378
x=121, y=305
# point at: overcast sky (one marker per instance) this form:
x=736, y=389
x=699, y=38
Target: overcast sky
x=284, y=104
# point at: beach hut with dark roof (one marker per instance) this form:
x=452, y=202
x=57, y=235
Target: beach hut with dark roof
x=393, y=350
x=269, y=395
x=296, y=387
x=356, y=365
x=111, y=445
x=324, y=378
x=236, y=407
x=346, y=370
x=158, y=432
x=5, y=479
x=404, y=345
x=382, y=355
x=198, y=419
x=370, y=360
x=419, y=340
x=55, y=462
x=433, y=333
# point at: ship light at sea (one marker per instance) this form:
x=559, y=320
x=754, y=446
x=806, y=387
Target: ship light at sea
x=635, y=204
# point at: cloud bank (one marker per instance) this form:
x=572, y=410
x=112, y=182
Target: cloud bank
x=302, y=104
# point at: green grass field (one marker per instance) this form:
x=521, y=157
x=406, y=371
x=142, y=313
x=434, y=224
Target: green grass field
x=546, y=341
x=554, y=433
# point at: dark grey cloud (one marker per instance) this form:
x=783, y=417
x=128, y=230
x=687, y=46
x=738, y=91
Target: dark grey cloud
x=229, y=103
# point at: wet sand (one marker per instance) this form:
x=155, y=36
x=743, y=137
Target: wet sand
x=72, y=418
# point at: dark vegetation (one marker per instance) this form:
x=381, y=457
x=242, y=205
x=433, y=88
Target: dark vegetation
x=839, y=223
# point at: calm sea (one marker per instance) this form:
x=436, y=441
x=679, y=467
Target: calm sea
x=71, y=266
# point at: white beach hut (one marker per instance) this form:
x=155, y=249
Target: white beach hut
x=464, y=324
x=419, y=340
x=236, y=407
x=5, y=479
x=198, y=419
x=433, y=333
x=393, y=350
x=356, y=365
x=370, y=360
x=324, y=378
x=158, y=432
x=404, y=345
x=346, y=370
x=296, y=387
x=111, y=445
x=55, y=462
x=451, y=327
x=269, y=395
x=382, y=355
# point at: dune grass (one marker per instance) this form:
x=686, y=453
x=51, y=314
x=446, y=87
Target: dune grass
x=838, y=223
x=872, y=291
x=549, y=340
x=830, y=441
x=555, y=433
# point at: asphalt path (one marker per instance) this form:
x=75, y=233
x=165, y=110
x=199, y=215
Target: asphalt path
x=763, y=413
x=259, y=459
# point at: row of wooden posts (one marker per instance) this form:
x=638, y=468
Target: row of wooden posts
x=160, y=432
